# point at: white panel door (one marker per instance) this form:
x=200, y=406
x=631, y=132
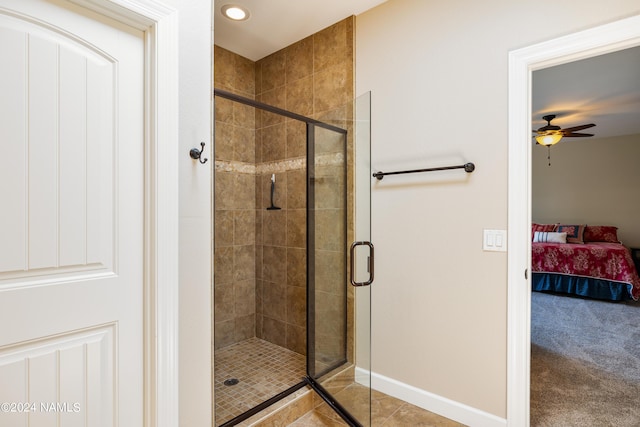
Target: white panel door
x=71, y=217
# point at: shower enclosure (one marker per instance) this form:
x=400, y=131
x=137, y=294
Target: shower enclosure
x=285, y=317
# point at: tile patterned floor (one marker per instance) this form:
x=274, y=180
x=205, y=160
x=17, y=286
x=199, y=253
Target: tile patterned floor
x=263, y=370
x=386, y=411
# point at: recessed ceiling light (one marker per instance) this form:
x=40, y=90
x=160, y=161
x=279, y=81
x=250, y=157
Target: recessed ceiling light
x=235, y=12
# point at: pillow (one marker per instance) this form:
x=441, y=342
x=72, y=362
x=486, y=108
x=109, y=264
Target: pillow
x=575, y=233
x=601, y=233
x=549, y=237
x=542, y=227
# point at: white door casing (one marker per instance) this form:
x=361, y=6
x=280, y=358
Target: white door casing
x=88, y=265
x=522, y=62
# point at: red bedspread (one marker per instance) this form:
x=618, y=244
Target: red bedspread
x=609, y=261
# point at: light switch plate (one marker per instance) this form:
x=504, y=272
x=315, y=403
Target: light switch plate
x=494, y=240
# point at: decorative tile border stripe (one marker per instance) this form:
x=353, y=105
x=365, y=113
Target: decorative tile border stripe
x=280, y=166
x=328, y=159
x=227, y=166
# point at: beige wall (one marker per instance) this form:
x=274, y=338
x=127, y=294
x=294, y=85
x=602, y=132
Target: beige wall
x=592, y=181
x=438, y=75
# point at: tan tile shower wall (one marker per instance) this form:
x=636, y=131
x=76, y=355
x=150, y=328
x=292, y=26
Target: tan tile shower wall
x=281, y=259
x=234, y=255
x=313, y=77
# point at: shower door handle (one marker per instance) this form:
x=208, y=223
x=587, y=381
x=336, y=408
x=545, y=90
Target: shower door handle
x=353, y=264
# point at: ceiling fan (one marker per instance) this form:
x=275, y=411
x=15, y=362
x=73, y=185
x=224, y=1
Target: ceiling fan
x=551, y=134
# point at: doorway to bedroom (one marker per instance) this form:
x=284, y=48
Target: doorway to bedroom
x=523, y=193
x=585, y=364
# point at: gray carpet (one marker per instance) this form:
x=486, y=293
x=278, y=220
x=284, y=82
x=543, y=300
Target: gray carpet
x=585, y=362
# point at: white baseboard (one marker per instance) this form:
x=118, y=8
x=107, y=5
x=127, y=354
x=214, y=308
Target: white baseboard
x=431, y=402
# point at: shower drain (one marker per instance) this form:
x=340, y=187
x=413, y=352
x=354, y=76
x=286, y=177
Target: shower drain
x=231, y=381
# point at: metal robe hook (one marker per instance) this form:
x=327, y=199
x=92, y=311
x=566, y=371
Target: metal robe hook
x=196, y=154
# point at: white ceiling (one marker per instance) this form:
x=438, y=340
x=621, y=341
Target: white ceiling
x=275, y=24
x=604, y=90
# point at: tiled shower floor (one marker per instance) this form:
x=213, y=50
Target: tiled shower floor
x=262, y=369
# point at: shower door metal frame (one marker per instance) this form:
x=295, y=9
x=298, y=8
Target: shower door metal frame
x=312, y=375
x=311, y=283
x=310, y=378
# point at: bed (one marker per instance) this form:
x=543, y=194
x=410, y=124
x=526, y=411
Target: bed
x=588, y=261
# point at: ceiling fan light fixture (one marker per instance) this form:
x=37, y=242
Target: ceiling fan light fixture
x=235, y=12
x=549, y=138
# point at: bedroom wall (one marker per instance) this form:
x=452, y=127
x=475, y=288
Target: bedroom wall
x=592, y=181
x=438, y=72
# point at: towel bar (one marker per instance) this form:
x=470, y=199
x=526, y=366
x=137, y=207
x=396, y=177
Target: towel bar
x=468, y=167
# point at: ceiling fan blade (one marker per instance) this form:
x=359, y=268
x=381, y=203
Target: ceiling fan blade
x=547, y=128
x=590, y=125
x=571, y=134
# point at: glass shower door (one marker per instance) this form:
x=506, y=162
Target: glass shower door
x=338, y=313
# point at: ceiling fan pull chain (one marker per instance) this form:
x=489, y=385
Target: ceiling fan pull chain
x=549, y=154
